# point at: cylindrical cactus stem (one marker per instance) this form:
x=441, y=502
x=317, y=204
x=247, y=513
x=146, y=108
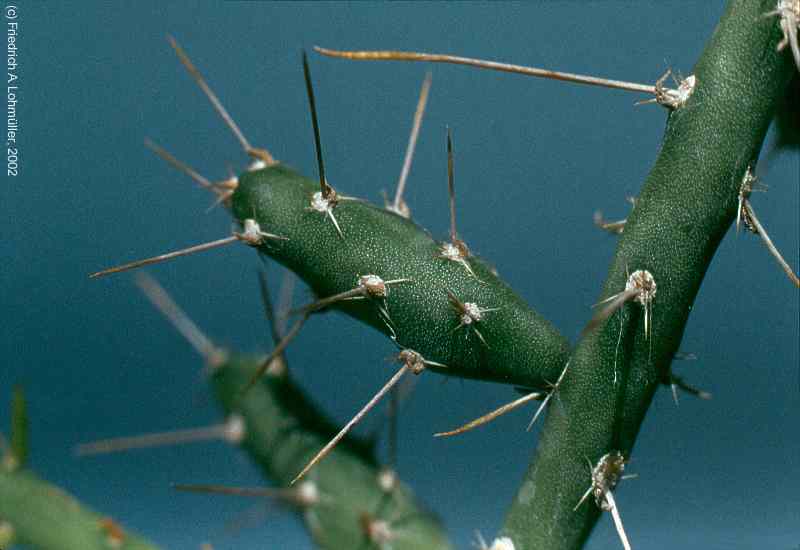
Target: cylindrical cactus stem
x=685, y=208
x=511, y=343
x=345, y=500
x=39, y=515
x=45, y=518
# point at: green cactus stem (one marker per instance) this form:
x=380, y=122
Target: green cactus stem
x=44, y=517
x=347, y=500
x=686, y=206
x=41, y=516
x=518, y=346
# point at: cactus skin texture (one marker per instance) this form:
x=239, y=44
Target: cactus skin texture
x=42, y=516
x=686, y=206
x=46, y=518
x=523, y=348
x=684, y=209
x=284, y=430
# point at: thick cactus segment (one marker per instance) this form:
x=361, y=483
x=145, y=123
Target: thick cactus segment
x=44, y=517
x=284, y=430
x=685, y=208
x=520, y=346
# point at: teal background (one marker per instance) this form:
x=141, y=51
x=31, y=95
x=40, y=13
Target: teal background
x=534, y=160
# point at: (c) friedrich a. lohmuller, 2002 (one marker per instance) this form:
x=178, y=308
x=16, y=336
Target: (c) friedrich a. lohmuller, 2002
x=12, y=126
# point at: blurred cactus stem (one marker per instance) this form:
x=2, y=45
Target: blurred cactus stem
x=39, y=515
x=347, y=500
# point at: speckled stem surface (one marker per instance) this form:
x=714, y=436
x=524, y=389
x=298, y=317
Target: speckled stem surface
x=686, y=206
x=521, y=346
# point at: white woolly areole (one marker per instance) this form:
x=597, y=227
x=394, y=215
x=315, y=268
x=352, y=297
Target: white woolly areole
x=216, y=358
x=252, y=233
x=307, y=493
x=675, y=98
x=643, y=282
x=401, y=209
x=685, y=90
x=277, y=367
x=502, y=543
x=235, y=429
x=605, y=476
x=320, y=203
x=257, y=164
x=379, y=531
x=374, y=285
x=387, y=480
x=471, y=313
x=451, y=252
x=412, y=360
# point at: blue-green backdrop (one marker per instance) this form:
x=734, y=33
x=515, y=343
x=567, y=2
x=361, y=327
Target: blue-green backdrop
x=534, y=160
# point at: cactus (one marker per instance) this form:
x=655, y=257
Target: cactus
x=684, y=209
x=348, y=502
x=40, y=515
x=596, y=393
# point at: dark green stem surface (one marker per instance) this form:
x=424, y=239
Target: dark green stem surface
x=521, y=347
x=686, y=206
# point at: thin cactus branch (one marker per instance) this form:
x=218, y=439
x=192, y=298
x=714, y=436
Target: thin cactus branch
x=40, y=515
x=43, y=517
x=349, y=503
